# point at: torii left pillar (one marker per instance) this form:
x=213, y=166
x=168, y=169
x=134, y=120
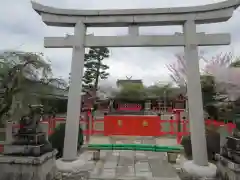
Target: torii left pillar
x=74, y=94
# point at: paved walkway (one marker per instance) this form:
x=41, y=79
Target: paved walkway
x=132, y=165
x=128, y=165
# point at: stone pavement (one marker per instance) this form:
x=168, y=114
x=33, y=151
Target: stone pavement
x=128, y=165
x=131, y=165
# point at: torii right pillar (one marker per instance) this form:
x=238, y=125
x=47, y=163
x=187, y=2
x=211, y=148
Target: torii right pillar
x=200, y=163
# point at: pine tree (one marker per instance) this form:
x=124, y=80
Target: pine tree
x=95, y=69
x=87, y=81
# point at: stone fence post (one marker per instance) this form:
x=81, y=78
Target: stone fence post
x=9, y=132
x=45, y=126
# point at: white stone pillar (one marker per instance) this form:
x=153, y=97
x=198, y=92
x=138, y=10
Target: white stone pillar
x=196, y=117
x=74, y=94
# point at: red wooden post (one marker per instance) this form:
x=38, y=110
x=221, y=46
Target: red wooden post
x=171, y=126
x=86, y=119
x=92, y=124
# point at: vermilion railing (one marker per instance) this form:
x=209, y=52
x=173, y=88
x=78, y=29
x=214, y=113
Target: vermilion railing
x=172, y=130
x=172, y=122
x=172, y=126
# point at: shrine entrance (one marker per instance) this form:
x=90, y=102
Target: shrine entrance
x=187, y=17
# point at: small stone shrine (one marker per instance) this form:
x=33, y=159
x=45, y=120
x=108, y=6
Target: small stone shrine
x=29, y=155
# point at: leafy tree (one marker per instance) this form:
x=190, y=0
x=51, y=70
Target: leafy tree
x=178, y=68
x=209, y=95
x=88, y=80
x=160, y=90
x=16, y=70
x=208, y=89
x=212, y=85
x=95, y=69
x=139, y=91
x=132, y=91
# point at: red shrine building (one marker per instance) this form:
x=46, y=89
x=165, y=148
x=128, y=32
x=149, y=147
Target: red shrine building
x=175, y=100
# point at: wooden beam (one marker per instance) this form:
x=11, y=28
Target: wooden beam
x=137, y=41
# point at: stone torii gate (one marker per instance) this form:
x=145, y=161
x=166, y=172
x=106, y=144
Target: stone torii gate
x=187, y=17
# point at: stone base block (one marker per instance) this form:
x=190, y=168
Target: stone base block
x=10, y=149
x=96, y=155
x=28, y=168
x=172, y=157
x=69, y=166
x=200, y=171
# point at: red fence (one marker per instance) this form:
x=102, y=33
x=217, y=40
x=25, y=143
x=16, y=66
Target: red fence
x=138, y=126
x=152, y=126
x=53, y=123
x=141, y=126
x=185, y=131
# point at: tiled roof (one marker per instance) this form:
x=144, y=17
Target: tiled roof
x=122, y=81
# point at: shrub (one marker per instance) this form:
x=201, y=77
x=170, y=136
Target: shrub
x=57, y=139
x=186, y=143
x=213, y=143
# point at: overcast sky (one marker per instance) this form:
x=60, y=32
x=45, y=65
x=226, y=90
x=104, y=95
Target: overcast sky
x=21, y=28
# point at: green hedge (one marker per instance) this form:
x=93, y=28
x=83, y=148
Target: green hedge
x=57, y=139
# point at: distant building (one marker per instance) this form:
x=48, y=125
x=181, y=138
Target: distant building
x=121, y=82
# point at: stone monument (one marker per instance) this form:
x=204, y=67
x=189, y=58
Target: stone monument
x=187, y=17
x=29, y=153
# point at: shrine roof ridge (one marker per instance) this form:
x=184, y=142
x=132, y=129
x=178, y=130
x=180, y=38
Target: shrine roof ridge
x=39, y=8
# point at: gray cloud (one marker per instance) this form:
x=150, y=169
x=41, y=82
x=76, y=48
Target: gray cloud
x=22, y=28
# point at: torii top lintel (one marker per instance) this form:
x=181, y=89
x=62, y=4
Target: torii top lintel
x=210, y=13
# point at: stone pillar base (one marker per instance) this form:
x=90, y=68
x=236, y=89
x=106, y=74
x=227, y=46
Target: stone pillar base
x=200, y=171
x=69, y=166
x=28, y=168
x=77, y=169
